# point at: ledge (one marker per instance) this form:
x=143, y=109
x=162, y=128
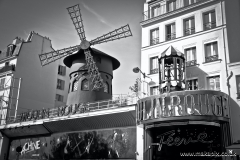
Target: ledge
x=213, y=62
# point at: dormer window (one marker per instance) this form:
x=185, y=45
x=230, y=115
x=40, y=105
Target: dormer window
x=10, y=50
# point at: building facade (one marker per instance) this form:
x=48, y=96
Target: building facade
x=206, y=32
x=25, y=85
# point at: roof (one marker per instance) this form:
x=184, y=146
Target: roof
x=3, y=54
x=80, y=54
x=171, y=51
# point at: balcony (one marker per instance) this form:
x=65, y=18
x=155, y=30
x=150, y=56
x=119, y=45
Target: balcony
x=189, y=31
x=211, y=58
x=7, y=68
x=209, y=25
x=154, y=71
x=162, y=10
x=170, y=36
x=191, y=63
x=154, y=41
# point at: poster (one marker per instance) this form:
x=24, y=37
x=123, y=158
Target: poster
x=101, y=144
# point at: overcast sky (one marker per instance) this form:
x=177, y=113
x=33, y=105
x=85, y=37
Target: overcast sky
x=50, y=18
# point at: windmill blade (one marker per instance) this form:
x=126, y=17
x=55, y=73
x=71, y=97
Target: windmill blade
x=49, y=57
x=76, y=17
x=119, y=33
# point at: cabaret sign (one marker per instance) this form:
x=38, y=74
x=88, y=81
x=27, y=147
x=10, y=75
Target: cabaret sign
x=182, y=104
x=168, y=139
x=51, y=113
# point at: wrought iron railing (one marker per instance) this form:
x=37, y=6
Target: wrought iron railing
x=7, y=68
x=209, y=25
x=162, y=9
x=189, y=31
x=32, y=115
x=154, y=41
x=171, y=36
x=154, y=71
x=211, y=58
x=191, y=63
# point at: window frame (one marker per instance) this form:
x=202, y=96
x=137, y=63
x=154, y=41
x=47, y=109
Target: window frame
x=238, y=85
x=212, y=57
x=172, y=34
x=59, y=98
x=61, y=70
x=82, y=84
x=152, y=89
x=62, y=84
x=191, y=30
x=154, y=40
x=212, y=24
x=192, y=80
x=215, y=87
x=153, y=70
x=75, y=82
x=191, y=62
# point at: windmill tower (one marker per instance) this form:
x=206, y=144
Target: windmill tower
x=90, y=69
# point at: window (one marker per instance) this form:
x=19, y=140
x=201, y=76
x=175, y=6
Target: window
x=154, y=90
x=238, y=86
x=59, y=98
x=189, y=2
x=192, y=84
x=60, y=84
x=75, y=85
x=211, y=52
x=154, y=36
x=156, y=10
x=153, y=65
x=85, y=85
x=209, y=20
x=214, y=83
x=61, y=70
x=2, y=83
x=105, y=87
x=171, y=5
x=170, y=31
x=189, y=26
x=10, y=49
x=191, y=59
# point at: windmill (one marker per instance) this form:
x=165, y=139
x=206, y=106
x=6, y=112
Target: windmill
x=93, y=72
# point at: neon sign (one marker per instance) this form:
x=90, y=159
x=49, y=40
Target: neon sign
x=183, y=103
x=168, y=139
x=30, y=146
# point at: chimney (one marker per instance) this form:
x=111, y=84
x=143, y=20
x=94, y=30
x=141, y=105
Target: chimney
x=17, y=40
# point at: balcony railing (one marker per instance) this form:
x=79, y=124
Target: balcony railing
x=189, y=31
x=211, y=58
x=154, y=41
x=32, y=115
x=7, y=68
x=154, y=71
x=170, y=36
x=209, y=25
x=162, y=9
x=191, y=63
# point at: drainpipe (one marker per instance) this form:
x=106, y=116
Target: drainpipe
x=226, y=68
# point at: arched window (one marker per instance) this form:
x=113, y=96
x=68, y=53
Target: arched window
x=85, y=85
x=106, y=87
x=75, y=85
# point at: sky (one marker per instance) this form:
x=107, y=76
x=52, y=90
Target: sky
x=50, y=18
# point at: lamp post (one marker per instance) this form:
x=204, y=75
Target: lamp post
x=137, y=70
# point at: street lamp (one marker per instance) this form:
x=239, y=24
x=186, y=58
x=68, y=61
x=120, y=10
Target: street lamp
x=137, y=70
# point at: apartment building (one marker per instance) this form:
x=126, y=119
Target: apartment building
x=25, y=84
x=207, y=33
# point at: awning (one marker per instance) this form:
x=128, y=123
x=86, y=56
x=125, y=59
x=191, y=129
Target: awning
x=114, y=118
